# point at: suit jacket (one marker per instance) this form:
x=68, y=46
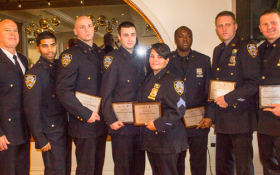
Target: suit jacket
x=268, y=122
x=196, y=80
x=46, y=118
x=79, y=69
x=170, y=136
x=12, y=119
x=122, y=77
x=244, y=69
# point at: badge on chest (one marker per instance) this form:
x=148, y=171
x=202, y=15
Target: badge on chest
x=30, y=80
x=199, y=72
x=232, y=60
x=154, y=92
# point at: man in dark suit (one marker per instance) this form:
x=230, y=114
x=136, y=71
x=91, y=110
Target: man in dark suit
x=46, y=117
x=79, y=69
x=269, y=121
x=122, y=77
x=14, y=136
x=194, y=69
x=234, y=113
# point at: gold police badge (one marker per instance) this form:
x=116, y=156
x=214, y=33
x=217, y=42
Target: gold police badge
x=66, y=59
x=107, y=61
x=252, y=49
x=30, y=80
x=179, y=87
x=154, y=91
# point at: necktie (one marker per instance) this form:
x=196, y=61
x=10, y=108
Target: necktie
x=17, y=64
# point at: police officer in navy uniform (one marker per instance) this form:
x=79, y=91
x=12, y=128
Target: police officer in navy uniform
x=79, y=69
x=234, y=113
x=122, y=77
x=46, y=117
x=165, y=137
x=194, y=68
x=14, y=134
x=269, y=121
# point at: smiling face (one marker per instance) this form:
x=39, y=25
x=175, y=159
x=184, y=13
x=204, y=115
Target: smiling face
x=9, y=36
x=157, y=62
x=183, y=39
x=47, y=49
x=226, y=28
x=84, y=29
x=270, y=26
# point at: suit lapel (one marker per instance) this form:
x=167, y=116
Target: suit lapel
x=274, y=53
x=10, y=64
x=228, y=50
x=191, y=65
x=174, y=60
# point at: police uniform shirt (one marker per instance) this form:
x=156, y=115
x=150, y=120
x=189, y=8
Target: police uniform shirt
x=79, y=69
x=123, y=75
x=170, y=136
x=45, y=115
x=239, y=62
x=268, y=122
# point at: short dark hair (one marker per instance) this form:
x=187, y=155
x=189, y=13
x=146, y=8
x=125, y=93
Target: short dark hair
x=44, y=35
x=72, y=42
x=270, y=11
x=125, y=24
x=180, y=28
x=226, y=13
x=161, y=49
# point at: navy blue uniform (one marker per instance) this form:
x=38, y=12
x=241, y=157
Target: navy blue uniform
x=79, y=69
x=196, y=79
x=46, y=118
x=16, y=159
x=122, y=77
x=234, y=125
x=268, y=125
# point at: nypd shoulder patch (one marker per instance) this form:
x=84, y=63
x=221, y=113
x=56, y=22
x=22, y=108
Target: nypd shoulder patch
x=66, y=59
x=30, y=80
x=252, y=49
x=179, y=87
x=107, y=61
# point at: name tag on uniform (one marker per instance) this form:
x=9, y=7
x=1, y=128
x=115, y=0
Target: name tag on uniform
x=199, y=72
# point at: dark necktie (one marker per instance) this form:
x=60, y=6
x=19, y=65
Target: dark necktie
x=184, y=63
x=267, y=51
x=17, y=64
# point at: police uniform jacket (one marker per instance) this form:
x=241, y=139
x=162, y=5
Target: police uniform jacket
x=79, y=69
x=196, y=80
x=170, y=136
x=46, y=117
x=122, y=77
x=268, y=122
x=244, y=69
x=12, y=120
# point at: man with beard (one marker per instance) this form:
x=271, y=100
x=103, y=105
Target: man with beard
x=14, y=136
x=194, y=69
x=79, y=69
x=46, y=117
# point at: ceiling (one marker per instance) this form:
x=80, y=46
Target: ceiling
x=68, y=10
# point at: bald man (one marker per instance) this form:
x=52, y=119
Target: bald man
x=80, y=69
x=14, y=138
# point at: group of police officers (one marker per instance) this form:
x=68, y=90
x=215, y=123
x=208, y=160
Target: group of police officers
x=42, y=101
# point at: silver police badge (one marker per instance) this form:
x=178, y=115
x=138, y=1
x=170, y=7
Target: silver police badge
x=199, y=72
x=66, y=59
x=179, y=87
x=30, y=80
x=108, y=61
x=252, y=49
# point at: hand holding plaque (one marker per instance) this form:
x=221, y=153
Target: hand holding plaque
x=193, y=116
x=220, y=88
x=90, y=101
x=145, y=112
x=269, y=94
x=123, y=111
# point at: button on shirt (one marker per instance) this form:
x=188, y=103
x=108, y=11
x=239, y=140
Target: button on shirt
x=10, y=56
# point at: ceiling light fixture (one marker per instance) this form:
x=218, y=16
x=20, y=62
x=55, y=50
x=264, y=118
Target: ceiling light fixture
x=19, y=4
x=49, y=2
x=82, y=2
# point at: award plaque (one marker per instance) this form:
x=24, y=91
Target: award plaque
x=220, y=88
x=269, y=94
x=193, y=116
x=145, y=112
x=90, y=101
x=124, y=112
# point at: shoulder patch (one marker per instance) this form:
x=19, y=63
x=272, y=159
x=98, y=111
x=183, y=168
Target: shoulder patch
x=252, y=49
x=66, y=59
x=179, y=87
x=30, y=80
x=107, y=61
